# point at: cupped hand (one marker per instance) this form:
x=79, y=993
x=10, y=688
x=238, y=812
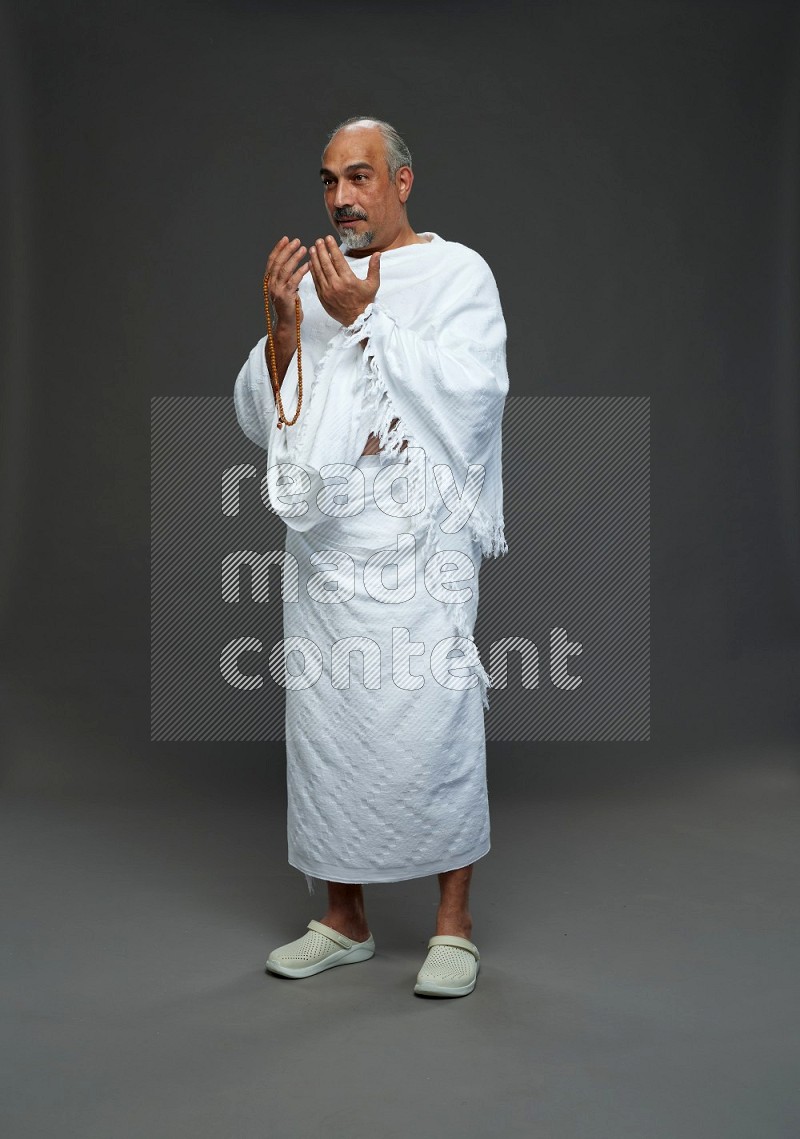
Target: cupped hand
x=343, y=295
x=285, y=275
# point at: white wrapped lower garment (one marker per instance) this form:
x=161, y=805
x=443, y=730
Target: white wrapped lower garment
x=389, y=782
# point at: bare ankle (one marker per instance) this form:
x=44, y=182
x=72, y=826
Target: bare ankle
x=353, y=925
x=454, y=923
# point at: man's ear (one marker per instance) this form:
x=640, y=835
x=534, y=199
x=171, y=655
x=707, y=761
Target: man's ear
x=405, y=178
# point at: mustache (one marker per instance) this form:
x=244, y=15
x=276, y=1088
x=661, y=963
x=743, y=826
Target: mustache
x=349, y=217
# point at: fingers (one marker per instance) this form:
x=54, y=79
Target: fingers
x=284, y=258
x=316, y=266
x=297, y=276
x=285, y=273
x=289, y=268
x=333, y=254
x=321, y=259
x=337, y=257
x=276, y=254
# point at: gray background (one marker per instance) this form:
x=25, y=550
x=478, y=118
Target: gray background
x=630, y=173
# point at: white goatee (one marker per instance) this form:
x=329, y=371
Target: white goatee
x=354, y=240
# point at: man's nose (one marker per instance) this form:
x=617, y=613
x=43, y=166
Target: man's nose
x=341, y=199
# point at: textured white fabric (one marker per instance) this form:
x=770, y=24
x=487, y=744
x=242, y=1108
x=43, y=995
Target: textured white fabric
x=387, y=783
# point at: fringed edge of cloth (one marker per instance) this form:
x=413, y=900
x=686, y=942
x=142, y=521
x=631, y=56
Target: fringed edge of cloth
x=391, y=437
x=484, y=678
x=331, y=350
x=309, y=882
x=489, y=534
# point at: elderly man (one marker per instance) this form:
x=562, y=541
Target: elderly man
x=385, y=364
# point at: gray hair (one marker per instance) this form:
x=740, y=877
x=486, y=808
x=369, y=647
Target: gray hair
x=397, y=153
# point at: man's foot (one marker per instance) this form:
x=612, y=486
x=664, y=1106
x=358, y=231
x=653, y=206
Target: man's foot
x=450, y=969
x=322, y=947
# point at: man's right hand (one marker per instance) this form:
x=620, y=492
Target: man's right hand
x=285, y=275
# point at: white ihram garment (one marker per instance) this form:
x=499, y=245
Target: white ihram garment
x=386, y=768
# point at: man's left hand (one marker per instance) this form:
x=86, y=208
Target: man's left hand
x=342, y=294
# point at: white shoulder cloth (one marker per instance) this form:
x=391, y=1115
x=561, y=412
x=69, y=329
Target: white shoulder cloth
x=434, y=360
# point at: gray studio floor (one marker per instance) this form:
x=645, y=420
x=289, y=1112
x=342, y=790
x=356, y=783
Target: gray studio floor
x=637, y=919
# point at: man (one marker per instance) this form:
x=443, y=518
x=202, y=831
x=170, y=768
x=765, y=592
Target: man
x=401, y=357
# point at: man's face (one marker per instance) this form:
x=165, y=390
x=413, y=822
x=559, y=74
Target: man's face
x=355, y=180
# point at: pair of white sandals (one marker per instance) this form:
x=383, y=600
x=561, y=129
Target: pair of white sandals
x=450, y=969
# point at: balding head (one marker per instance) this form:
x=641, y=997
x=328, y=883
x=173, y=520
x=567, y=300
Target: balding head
x=361, y=186
x=396, y=153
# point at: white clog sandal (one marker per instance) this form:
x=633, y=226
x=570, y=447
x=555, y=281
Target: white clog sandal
x=450, y=969
x=320, y=948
